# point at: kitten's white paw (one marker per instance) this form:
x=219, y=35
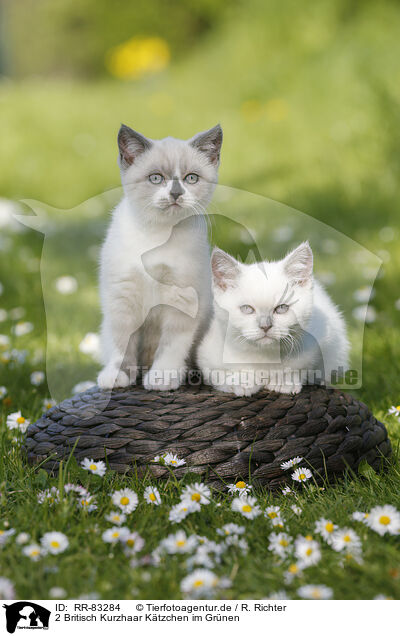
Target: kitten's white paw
x=225, y=388
x=238, y=390
x=286, y=388
x=245, y=391
x=153, y=382
x=111, y=377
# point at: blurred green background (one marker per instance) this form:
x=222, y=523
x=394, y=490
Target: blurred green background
x=308, y=94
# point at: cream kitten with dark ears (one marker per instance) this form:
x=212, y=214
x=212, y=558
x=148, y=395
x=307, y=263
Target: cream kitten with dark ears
x=271, y=321
x=155, y=277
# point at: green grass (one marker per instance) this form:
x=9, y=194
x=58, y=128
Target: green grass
x=308, y=96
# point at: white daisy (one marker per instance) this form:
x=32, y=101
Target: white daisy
x=365, y=313
x=296, y=509
x=48, y=404
x=90, y=345
x=5, y=535
x=315, y=592
x=17, y=313
x=87, y=503
x=22, y=328
x=97, y=468
x=229, y=529
x=294, y=569
x=280, y=595
x=382, y=597
x=287, y=491
x=247, y=506
x=3, y=392
x=200, y=493
x=238, y=543
x=182, y=510
x=50, y=496
x=66, y=285
x=280, y=543
x=22, y=538
x=33, y=551
x=272, y=512
x=81, y=387
x=201, y=557
x=76, y=488
x=350, y=556
x=301, y=475
x=394, y=410
x=360, y=516
x=240, y=488
x=307, y=551
x=17, y=421
x=115, y=534
x=118, y=518
x=291, y=463
x=37, y=378
x=57, y=592
x=278, y=522
x=384, y=519
x=54, y=542
x=152, y=496
x=178, y=543
x=7, y=590
x=126, y=499
x=326, y=528
x=202, y=583
x=173, y=460
x=345, y=539
x=132, y=542
x=364, y=294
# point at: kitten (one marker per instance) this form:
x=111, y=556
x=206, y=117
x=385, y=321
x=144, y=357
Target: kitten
x=270, y=321
x=155, y=276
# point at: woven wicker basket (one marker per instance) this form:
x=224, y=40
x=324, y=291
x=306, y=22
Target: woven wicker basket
x=220, y=436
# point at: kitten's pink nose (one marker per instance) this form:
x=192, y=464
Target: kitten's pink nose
x=176, y=189
x=265, y=323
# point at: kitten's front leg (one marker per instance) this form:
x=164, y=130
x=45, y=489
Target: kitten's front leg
x=238, y=390
x=285, y=388
x=120, y=330
x=168, y=370
x=230, y=385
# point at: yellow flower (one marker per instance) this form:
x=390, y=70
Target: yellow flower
x=276, y=110
x=137, y=57
x=251, y=110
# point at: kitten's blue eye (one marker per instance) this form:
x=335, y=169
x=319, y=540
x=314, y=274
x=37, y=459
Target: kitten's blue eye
x=247, y=309
x=281, y=309
x=191, y=178
x=156, y=178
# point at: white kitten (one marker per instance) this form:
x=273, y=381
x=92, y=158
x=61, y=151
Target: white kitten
x=155, y=277
x=271, y=321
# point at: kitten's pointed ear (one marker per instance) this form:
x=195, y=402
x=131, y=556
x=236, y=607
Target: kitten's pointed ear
x=130, y=144
x=225, y=269
x=209, y=142
x=298, y=264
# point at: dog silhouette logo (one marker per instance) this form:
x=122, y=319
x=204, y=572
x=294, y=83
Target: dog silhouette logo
x=26, y=615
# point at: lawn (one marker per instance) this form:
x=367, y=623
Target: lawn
x=308, y=97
